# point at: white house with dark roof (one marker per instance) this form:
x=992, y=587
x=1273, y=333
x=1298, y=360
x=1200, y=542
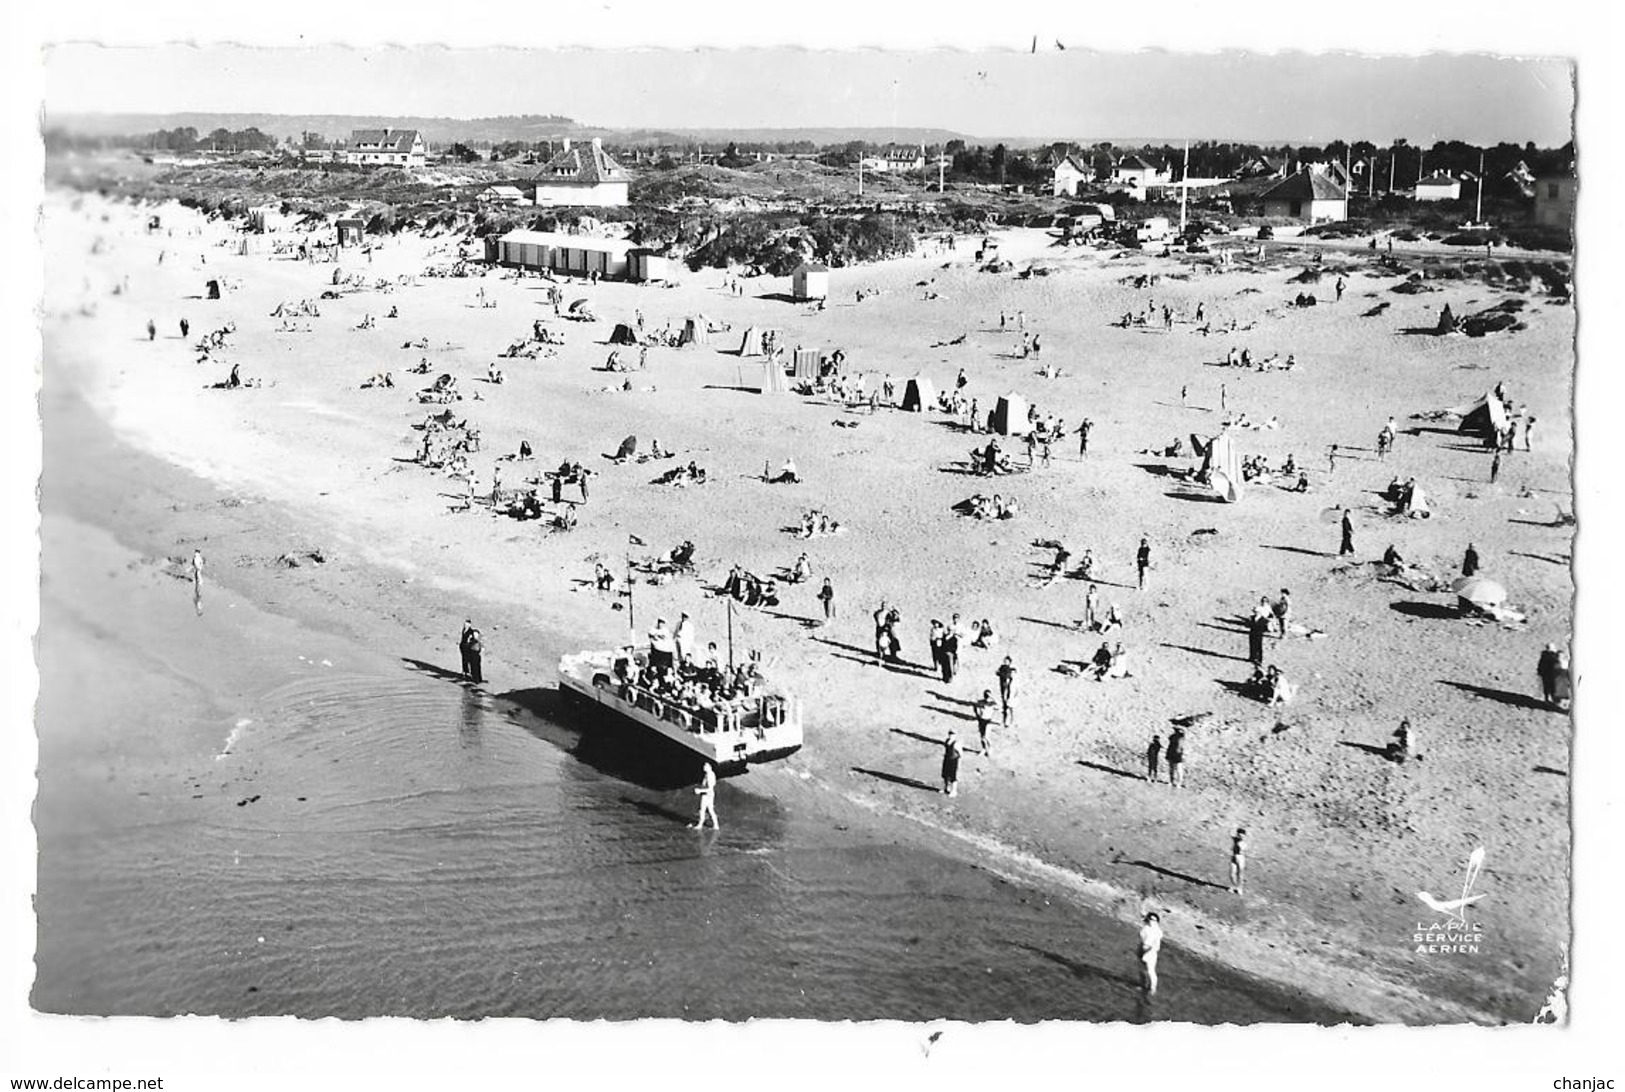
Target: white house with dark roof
x=1134, y=175
x=386, y=148
x=896, y=160
x=582, y=174
x=1438, y=187
x=1069, y=174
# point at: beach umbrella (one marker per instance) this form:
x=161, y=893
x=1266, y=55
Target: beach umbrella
x=1480, y=591
x=580, y=305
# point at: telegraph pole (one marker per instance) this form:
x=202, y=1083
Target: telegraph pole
x=1184, y=186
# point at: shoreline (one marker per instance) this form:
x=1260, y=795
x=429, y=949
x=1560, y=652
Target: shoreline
x=1263, y=944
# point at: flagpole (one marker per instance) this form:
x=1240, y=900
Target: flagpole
x=730, y=602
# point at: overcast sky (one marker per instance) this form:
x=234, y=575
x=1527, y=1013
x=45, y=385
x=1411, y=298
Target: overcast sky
x=1063, y=94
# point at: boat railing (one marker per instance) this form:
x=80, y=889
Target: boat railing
x=768, y=712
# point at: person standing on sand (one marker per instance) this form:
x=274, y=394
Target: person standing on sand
x=949, y=645
x=197, y=581
x=1338, y=287
x=1238, y=860
x=1150, y=948
x=1495, y=466
x=1257, y=627
x=1528, y=427
x=707, y=792
x=984, y=717
x=1007, y=691
x=152, y=330
x=1547, y=668
x=1083, y=436
x=1142, y=559
x=950, y=764
x=1175, y=754
x=1469, y=561
x=1153, y=758
x=1283, y=613
x=1348, y=535
x=826, y=596
x=880, y=633
x=1222, y=395
x=1091, y=605
x=471, y=647
x=1331, y=460
x=186, y=328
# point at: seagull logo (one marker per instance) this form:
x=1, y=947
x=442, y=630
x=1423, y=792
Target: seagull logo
x=1454, y=908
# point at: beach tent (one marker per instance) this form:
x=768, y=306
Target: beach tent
x=918, y=395
x=623, y=335
x=773, y=378
x=214, y=289
x=1448, y=323
x=351, y=232
x=1479, y=591
x=628, y=448
x=1484, y=417
x=807, y=362
x=751, y=343
x=696, y=331
x=1009, y=417
x=810, y=281
x=1221, y=467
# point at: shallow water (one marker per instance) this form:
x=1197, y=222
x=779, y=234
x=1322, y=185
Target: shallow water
x=454, y=855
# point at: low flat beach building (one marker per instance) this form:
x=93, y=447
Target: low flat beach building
x=1308, y=196
x=500, y=193
x=1438, y=187
x=582, y=175
x=386, y=148
x=575, y=255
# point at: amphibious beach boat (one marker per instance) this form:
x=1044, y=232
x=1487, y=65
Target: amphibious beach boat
x=765, y=727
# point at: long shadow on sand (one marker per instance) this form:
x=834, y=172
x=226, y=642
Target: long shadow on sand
x=1068, y=626
x=1505, y=697
x=435, y=671
x=932, y=740
x=1196, y=498
x=1302, y=550
x=1380, y=752
x=1103, y=768
x=1417, y=609
x=867, y=656
x=1173, y=875
x=1079, y=968
x=1205, y=652
x=896, y=779
x=956, y=714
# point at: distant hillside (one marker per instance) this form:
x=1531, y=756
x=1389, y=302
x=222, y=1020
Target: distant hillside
x=529, y=127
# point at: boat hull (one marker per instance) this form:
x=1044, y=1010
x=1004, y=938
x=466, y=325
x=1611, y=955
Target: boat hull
x=666, y=740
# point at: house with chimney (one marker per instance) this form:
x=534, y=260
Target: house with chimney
x=582, y=174
x=896, y=160
x=386, y=148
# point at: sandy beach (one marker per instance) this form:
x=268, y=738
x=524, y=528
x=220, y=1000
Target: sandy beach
x=1341, y=840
